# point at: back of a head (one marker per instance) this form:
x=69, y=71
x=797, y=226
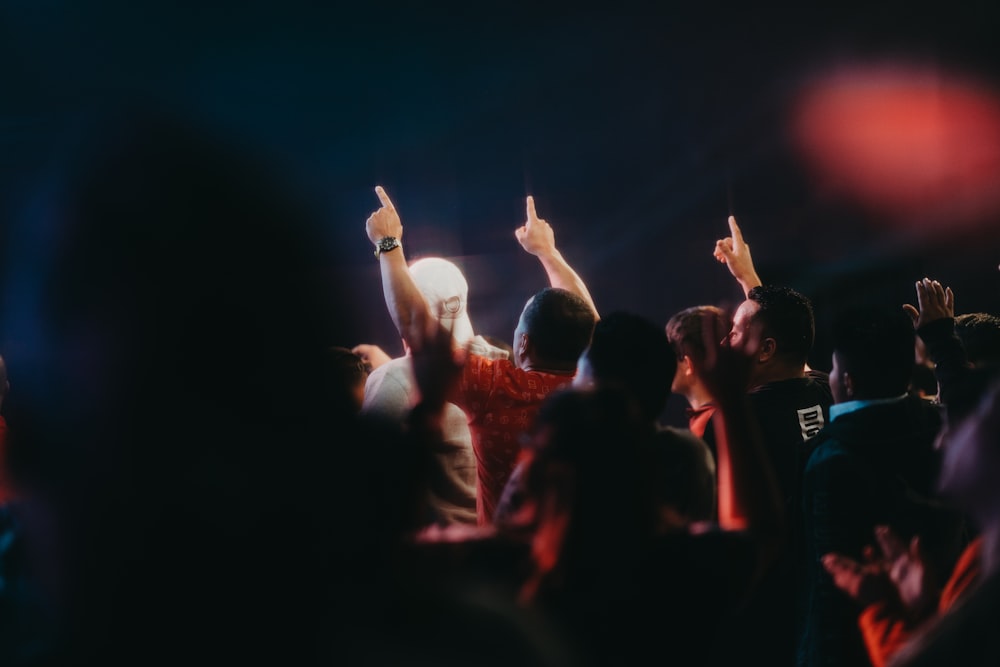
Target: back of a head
x=980, y=336
x=632, y=353
x=684, y=329
x=559, y=324
x=447, y=293
x=787, y=317
x=346, y=373
x=875, y=345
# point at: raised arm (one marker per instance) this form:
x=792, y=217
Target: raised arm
x=407, y=306
x=734, y=252
x=748, y=496
x=935, y=324
x=537, y=238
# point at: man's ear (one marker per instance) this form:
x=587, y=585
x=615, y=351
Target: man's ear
x=686, y=365
x=847, y=382
x=768, y=348
x=523, y=344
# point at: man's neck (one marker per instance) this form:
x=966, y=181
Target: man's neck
x=768, y=373
x=697, y=396
x=542, y=367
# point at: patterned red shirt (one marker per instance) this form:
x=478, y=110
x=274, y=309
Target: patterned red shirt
x=500, y=401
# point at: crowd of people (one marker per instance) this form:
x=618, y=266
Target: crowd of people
x=200, y=468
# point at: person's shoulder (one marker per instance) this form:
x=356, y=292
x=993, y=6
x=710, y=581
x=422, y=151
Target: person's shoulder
x=389, y=385
x=393, y=368
x=828, y=451
x=818, y=380
x=484, y=364
x=481, y=347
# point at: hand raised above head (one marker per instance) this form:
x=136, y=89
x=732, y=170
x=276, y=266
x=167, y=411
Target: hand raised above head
x=936, y=303
x=734, y=252
x=535, y=235
x=385, y=221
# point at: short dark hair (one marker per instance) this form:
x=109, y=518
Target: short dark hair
x=559, y=324
x=684, y=329
x=980, y=335
x=632, y=353
x=787, y=317
x=875, y=345
x=345, y=366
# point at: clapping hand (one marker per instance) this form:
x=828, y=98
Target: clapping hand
x=899, y=572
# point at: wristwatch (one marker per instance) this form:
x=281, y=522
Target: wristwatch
x=385, y=244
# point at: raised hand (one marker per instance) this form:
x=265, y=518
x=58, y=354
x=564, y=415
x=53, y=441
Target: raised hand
x=535, y=235
x=936, y=303
x=734, y=252
x=385, y=221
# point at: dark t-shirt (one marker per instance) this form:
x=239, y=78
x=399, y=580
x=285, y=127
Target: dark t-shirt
x=789, y=412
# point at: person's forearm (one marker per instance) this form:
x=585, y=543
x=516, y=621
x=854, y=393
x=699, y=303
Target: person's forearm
x=562, y=275
x=407, y=306
x=748, y=497
x=748, y=282
x=945, y=349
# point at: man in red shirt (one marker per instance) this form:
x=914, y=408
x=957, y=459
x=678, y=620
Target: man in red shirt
x=500, y=397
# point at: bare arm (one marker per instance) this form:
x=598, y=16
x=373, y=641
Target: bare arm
x=537, y=238
x=734, y=252
x=748, y=496
x=407, y=306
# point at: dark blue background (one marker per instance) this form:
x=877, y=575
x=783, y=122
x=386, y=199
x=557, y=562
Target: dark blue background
x=638, y=129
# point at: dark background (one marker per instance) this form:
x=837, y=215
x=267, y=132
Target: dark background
x=638, y=129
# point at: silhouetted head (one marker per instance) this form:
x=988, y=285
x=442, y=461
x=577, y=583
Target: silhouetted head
x=347, y=373
x=174, y=437
x=553, y=330
x=630, y=353
x=980, y=336
x=872, y=354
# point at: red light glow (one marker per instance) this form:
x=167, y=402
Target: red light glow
x=913, y=144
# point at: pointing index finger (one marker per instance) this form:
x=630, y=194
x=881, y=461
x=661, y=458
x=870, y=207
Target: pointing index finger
x=734, y=229
x=532, y=216
x=384, y=198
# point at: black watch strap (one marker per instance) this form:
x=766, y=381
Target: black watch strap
x=385, y=244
